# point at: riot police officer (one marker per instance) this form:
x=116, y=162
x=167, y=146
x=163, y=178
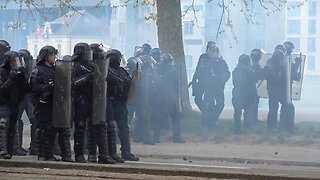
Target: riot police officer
x=275, y=76
x=244, y=89
x=90, y=89
x=26, y=106
x=156, y=54
x=4, y=47
x=287, y=117
x=168, y=98
x=256, y=57
x=146, y=49
x=12, y=89
x=214, y=77
x=41, y=82
x=197, y=83
x=142, y=126
x=119, y=82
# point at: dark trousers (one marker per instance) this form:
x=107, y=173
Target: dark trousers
x=287, y=113
x=240, y=106
x=214, y=104
x=81, y=117
x=120, y=114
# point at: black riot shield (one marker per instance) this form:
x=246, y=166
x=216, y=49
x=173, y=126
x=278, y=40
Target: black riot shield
x=99, y=97
x=29, y=67
x=62, y=97
x=134, y=84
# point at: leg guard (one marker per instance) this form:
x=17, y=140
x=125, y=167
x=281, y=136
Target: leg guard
x=40, y=143
x=4, y=126
x=112, y=145
x=79, y=132
x=33, y=143
x=102, y=142
x=17, y=142
x=64, y=143
x=49, y=134
x=91, y=144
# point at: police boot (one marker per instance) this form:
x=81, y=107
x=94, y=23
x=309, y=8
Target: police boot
x=4, y=136
x=91, y=144
x=48, y=141
x=64, y=142
x=40, y=144
x=112, y=145
x=102, y=142
x=126, y=146
x=79, y=133
x=17, y=142
x=176, y=130
x=33, y=150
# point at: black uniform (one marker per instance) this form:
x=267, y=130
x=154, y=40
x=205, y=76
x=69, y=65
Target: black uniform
x=244, y=83
x=167, y=98
x=119, y=81
x=214, y=77
x=41, y=82
x=12, y=89
x=277, y=84
x=144, y=100
x=27, y=107
x=256, y=56
x=83, y=76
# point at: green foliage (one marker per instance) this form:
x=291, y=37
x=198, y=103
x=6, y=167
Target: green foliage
x=305, y=133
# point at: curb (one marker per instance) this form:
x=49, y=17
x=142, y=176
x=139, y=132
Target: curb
x=126, y=168
x=235, y=160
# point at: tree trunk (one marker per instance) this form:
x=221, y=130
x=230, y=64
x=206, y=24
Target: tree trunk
x=170, y=41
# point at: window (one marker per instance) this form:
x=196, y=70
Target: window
x=311, y=63
x=312, y=26
x=311, y=44
x=296, y=42
x=312, y=8
x=293, y=27
x=189, y=61
x=294, y=9
x=188, y=28
x=193, y=42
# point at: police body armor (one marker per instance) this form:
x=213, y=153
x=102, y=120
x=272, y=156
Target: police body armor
x=62, y=97
x=99, y=97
